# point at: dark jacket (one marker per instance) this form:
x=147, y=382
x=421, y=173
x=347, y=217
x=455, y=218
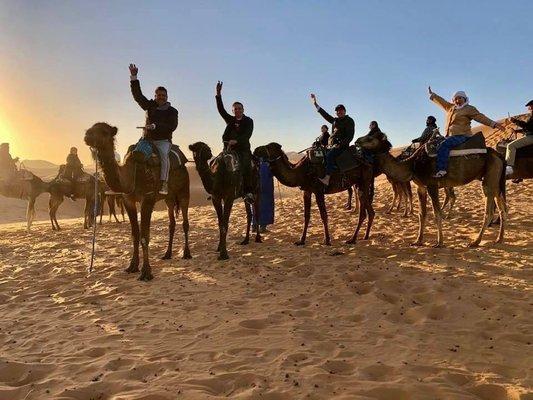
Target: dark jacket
x=323, y=139
x=73, y=161
x=426, y=134
x=527, y=125
x=164, y=117
x=343, y=129
x=241, y=131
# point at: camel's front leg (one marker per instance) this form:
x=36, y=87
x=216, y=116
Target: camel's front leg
x=217, y=204
x=147, y=206
x=434, y=195
x=184, y=206
x=502, y=211
x=131, y=209
x=224, y=233
x=422, y=212
x=248, y=209
x=321, y=202
x=171, y=228
x=307, y=217
x=362, y=215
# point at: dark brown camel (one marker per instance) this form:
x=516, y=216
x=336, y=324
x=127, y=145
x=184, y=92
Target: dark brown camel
x=83, y=188
x=28, y=186
x=301, y=175
x=489, y=168
x=136, y=180
x=224, y=188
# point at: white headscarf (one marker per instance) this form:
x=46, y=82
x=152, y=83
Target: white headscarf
x=462, y=94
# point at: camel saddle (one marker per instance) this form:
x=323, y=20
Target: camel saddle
x=474, y=145
x=349, y=159
x=151, y=155
x=229, y=158
x=522, y=152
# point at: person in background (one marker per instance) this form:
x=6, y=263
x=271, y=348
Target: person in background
x=527, y=129
x=431, y=125
x=266, y=196
x=323, y=139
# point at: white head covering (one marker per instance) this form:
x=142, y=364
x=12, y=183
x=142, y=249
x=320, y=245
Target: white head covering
x=462, y=94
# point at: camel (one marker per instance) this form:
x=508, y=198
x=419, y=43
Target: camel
x=489, y=168
x=113, y=200
x=25, y=185
x=402, y=194
x=83, y=188
x=301, y=174
x=224, y=187
x=135, y=178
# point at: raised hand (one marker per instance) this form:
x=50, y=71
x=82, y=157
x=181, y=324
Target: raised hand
x=313, y=99
x=430, y=91
x=133, y=70
x=219, y=87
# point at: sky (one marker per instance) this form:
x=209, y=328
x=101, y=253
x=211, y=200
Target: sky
x=64, y=66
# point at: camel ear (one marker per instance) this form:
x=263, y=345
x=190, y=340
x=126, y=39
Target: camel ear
x=114, y=130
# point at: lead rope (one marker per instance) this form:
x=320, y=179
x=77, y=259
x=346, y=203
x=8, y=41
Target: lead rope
x=95, y=210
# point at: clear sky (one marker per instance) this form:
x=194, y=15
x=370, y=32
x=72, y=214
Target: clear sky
x=64, y=65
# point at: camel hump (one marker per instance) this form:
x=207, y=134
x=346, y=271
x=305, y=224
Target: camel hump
x=177, y=158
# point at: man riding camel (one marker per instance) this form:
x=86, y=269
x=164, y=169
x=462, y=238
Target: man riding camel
x=236, y=136
x=527, y=130
x=343, y=130
x=323, y=139
x=161, y=121
x=431, y=125
x=459, y=114
x=8, y=165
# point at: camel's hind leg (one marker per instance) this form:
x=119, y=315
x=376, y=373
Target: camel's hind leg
x=449, y=200
x=131, y=209
x=422, y=212
x=248, y=209
x=348, y=205
x=395, y=197
x=502, y=211
x=321, y=202
x=307, y=217
x=437, y=211
x=53, y=205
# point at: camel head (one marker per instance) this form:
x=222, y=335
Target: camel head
x=201, y=152
x=269, y=152
x=375, y=142
x=101, y=136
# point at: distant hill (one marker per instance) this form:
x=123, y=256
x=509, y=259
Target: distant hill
x=39, y=164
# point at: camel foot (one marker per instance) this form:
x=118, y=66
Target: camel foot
x=300, y=243
x=366, y=237
x=327, y=243
x=132, y=268
x=245, y=241
x=223, y=256
x=258, y=239
x=167, y=256
x=418, y=243
x=186, y=254
x=146, y=275
x=474, y=244
x=437, y=245
x=351, y=241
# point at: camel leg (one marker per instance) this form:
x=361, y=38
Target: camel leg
x=88, y=213
x=53, y=205
x=489, y=214
x=321, y=202
x=357, y=203
x=184, y=205
x=248, y=209
x=370, y=214
x=449, y=199
x=395, y=197
x=362, y=215
x=131, y=209
x=256, y=207
x=422, y=212
x=500, y=201
x=147, y=206
x=410, y=197
x=307, y=217
x=348, y=205
x=225, y=222
x=400, y=188
x=437, y=211
x=30, y=212
x=217, y=204
x=171, y=228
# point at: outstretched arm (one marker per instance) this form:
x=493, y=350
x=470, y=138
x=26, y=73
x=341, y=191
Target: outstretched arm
x=321, y=111
x=483, y=119
x=435, y=98
x=220, y=106
x=136, y=88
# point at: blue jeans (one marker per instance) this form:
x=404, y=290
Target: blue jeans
x=331, y=156
x=443, y=152
x=163, y=146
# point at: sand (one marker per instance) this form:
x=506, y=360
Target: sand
x=376, y=320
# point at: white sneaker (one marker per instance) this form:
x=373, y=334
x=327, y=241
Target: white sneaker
x=509, y=170
x=440, y=174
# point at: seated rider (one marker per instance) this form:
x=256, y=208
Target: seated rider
x=237, y=134
x=527, y=130
x=431, y=125
x=73, y=168
x=323, y=139
x=343, y=131
x=8, y=165
x=459, y=114
x=161, y=121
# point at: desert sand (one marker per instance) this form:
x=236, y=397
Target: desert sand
x=375, y=320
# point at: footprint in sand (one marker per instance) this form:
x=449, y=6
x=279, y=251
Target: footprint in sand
x=488, y=391
x=338, y=367
x=255, y=323
x=378, y=372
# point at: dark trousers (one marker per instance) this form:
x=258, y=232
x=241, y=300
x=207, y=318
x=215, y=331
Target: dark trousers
x=331, y=157
x=245, y=158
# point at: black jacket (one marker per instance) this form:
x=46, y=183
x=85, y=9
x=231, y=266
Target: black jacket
x=164, y=117
x=239, y=130
x=426, y=134
x=323, y=139
x=527, y=126
x=343, y=129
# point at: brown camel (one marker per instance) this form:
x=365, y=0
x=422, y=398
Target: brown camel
x=224, y=187
x=302, y=175
x=83, y=188
x=402, y=195
x=25, y=185
x=489, y=168
x=136, y=180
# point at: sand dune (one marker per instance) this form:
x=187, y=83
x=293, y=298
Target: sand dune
x=377, y=320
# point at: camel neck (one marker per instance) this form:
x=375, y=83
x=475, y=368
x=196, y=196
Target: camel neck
x=287, y=173
x=205, y=174
x=400, y=171
x=112, y=171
